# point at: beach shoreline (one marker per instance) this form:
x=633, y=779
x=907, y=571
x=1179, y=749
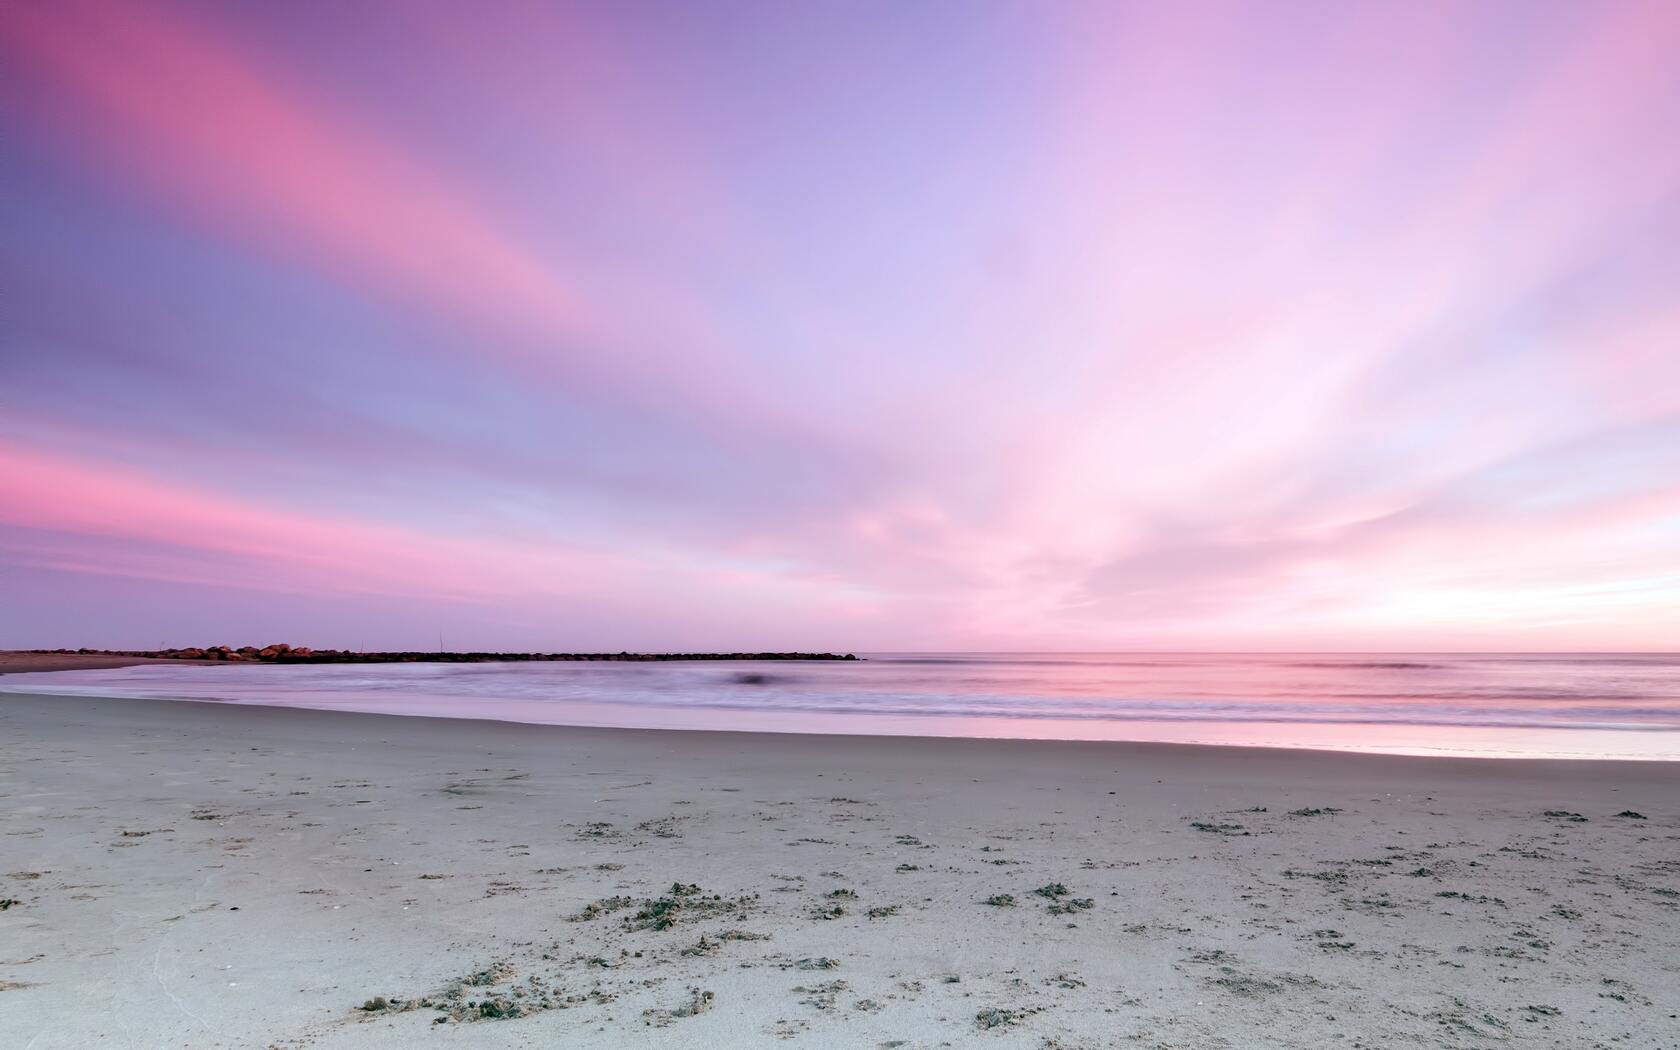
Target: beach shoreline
x=1198, y=750
x=23, y=661
x=1508, y=707
x=250, y=875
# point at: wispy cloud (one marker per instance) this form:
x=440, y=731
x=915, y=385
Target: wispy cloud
x=1110, y=325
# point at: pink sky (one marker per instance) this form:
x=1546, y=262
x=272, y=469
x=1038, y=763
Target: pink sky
x=950, y=326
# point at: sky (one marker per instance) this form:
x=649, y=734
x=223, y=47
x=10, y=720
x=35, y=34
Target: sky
x=852, y=326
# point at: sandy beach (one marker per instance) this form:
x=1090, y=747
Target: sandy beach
x=202, y=875
x=14, y=662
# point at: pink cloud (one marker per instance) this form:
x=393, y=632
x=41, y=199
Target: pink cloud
x=1171, y=325
x=227, y=138
x=72, y=515
x=164, y=529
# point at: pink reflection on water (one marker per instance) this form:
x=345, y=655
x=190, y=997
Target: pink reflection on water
x=1500, y=705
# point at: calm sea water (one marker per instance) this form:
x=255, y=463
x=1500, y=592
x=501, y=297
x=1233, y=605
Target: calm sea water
x=1513, y=705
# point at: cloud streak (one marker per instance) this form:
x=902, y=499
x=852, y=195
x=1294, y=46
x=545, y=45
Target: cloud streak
x=1112, y=326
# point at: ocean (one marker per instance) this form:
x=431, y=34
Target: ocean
x=1554, y=705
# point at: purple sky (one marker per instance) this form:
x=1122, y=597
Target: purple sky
x=853, y=326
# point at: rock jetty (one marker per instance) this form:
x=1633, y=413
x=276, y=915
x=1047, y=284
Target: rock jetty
x=281, y=653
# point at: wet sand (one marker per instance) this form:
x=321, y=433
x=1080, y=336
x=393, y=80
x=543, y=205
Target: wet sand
x=17, y=662
x=202, y=875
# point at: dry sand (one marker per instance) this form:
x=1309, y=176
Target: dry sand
x=196, y=875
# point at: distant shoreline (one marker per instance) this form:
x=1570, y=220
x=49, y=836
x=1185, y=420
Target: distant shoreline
x=38, y=660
